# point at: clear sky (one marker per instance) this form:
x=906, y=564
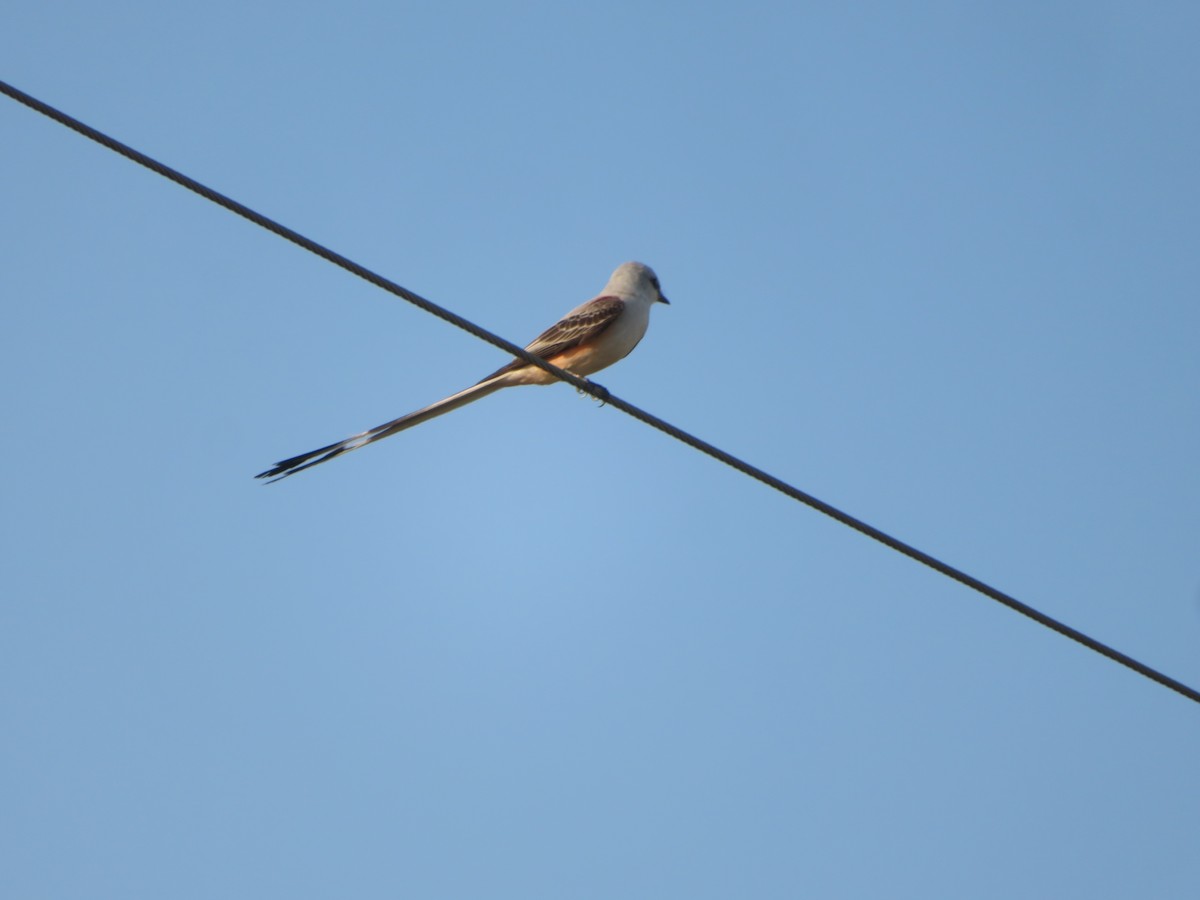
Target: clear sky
x=936, y=263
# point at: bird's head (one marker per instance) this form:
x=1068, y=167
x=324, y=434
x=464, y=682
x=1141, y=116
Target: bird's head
x=635, y=279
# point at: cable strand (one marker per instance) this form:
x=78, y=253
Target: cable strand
x=601, y=393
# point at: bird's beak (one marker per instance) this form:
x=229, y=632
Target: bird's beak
x=662, y=299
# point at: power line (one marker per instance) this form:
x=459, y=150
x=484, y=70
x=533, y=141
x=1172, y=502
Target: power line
x=601, y=393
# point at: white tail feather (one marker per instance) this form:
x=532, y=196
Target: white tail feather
x=287, y=467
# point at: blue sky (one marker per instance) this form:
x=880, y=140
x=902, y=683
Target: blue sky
x=934, y=263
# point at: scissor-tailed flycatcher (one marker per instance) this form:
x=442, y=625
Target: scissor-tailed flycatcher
x=585, y=340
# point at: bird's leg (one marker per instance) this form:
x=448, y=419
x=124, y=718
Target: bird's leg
x=597, y=392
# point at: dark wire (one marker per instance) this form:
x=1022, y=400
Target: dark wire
x=599, y=392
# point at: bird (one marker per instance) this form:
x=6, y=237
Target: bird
x=591, y=337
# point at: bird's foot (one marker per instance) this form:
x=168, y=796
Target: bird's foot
x=597, y=392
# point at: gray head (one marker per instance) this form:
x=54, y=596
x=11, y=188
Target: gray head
x=637, y=279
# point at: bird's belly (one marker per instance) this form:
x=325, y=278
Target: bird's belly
x=585, y=360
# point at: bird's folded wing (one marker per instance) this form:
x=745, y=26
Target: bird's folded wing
x=584, y=324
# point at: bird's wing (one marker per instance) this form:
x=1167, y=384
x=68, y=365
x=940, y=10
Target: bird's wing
x=582, y=324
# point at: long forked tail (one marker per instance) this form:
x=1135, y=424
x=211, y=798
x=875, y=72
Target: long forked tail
x=286, y=467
